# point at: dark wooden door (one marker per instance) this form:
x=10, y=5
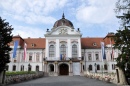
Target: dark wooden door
x=64, y=69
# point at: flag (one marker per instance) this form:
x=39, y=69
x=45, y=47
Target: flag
x=25, y=47
x=112, y=54
x=103, y=51
x=15, y=48
x=60, y=56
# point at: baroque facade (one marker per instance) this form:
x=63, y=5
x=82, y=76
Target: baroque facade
x=63, y=51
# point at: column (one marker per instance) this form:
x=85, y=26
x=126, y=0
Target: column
x=46, y=53
x=79, y=42
x=69, y=48
x=57, y=48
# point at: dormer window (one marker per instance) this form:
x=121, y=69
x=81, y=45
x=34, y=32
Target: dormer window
x=33, y=45
x=94, y=44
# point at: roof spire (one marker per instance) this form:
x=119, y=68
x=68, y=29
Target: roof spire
x=63, y=16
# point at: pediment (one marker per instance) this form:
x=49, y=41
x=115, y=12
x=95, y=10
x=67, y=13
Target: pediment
x=63, y=30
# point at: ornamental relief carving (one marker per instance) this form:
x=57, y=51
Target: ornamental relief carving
x=52, y=42
x=74, y=41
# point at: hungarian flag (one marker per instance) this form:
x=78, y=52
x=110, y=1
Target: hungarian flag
x=25, y=50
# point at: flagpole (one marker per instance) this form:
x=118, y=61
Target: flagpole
x=103, y=56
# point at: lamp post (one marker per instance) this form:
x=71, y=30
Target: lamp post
x=95, y=68
x=29, y=67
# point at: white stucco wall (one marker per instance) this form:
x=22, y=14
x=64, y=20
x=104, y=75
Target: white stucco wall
x=25, y=62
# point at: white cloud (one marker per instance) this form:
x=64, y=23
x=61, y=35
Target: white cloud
x=25, y=32
x=96, y=11
x=32, y=11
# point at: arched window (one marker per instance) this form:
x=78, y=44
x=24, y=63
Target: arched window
x=51, y=68
x=37, y=68
x=22, y=68
x=105, y=66
x=63, y=50
x=98, y=67
x=14, y=67
x=90, y=67
x=74, y=51
x=51, y=51
x=29, y=67
x=112, y=66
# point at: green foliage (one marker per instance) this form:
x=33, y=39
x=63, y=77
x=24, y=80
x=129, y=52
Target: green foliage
x=122, y=37
x=5, y=39
x=122, y=42
x=20, y=73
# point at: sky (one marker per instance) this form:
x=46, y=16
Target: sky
x=31, y=18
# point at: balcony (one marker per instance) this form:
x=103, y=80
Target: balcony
x=63, y=59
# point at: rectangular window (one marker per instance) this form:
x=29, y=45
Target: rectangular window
x=89, y=57
x=30, y=58
x=97, y=56
x=51, y=51
x=37, y=57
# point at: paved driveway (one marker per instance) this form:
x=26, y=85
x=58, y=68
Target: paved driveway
x=64, y=81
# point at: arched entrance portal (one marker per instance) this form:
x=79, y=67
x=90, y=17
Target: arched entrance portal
x=63, y=69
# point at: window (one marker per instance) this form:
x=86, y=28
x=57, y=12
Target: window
x=89, y=57
x=98, y=67
x=7, y=67
x=29, y=67
x=113, y=66
x=94, y=44
x=37, y=68
x=51, y=68
x=105, y=67
x=63, y=50
x=51, y=51
x=97, y=56
x=74, y=51
x=30, y=56
x=90, y=67
x=37, y=57
x=22, y=68
x=14, y=67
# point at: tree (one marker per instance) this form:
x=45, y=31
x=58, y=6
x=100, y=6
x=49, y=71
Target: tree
x=5, y=39
x=122, y=37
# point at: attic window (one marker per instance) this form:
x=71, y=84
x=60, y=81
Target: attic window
x=94, y=44
x=33, y=45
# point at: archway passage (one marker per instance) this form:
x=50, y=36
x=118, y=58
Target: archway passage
x=63, y=69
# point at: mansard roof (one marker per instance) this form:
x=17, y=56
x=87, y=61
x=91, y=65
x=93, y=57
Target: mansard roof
x=94, y=42
x=86, y=43
x=35, y=43
x=91, y=43
x=32, y=43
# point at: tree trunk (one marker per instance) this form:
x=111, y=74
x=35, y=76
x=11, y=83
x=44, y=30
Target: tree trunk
x=121, y=76
x=2, y=77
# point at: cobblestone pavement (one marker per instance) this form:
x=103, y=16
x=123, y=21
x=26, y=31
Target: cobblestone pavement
x=64, y=81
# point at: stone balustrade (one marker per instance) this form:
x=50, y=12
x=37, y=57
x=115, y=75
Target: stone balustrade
x=108, y=77
x=20, y=78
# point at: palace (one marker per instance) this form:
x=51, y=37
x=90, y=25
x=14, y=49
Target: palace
x=63, y=51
